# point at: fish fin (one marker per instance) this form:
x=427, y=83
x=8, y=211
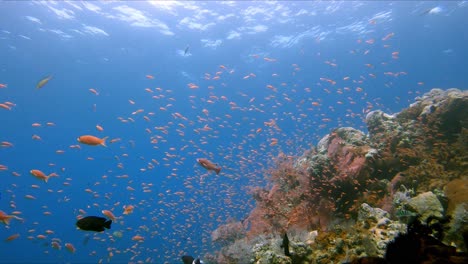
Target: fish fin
x=6, y=221
x=107, y=224
x=46, y=179
x=217, y=170
x=103, y=143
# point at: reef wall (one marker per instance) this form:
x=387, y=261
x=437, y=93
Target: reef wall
x=355, y=192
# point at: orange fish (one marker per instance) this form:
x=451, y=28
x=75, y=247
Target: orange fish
x=92, y=140
x=209, y=165
x=56, y=245
x=4, y=106
x=70, y=247
x=138, y=238
x=30, y=197
x=40, y=175
x=128, y=209
x=109, y=214
x=12, y=237
x=94, y=91
x=6, y=144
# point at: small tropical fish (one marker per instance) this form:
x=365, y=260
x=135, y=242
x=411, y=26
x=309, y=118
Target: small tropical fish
x=138, y=238
x=92, y=140
x=432, y=11
x=4, y=106
x=186, y=50
x=94, y=91
x=209, y=165
x=128, y=209
x=40, y=175
x=43, y=82
x=93, y=223
x=56, y=245
x=12, y=237
x=70, y=247
x=109, y=214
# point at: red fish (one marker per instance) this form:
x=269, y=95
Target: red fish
x=209, y=165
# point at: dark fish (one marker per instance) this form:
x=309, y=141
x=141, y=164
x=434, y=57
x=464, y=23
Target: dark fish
x=190, y=260
x=93, y=223
x=285, y=245
x=186, y=50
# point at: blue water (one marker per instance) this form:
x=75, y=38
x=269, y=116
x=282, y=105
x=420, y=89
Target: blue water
x=112, y=46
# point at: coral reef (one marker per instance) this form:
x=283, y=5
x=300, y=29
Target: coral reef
x=382, y=230
x=457, y=193
x=403, y=165
x=274, y=251
x=417, y=245
x=427, y=206
x=265, y=249
x=368, y=236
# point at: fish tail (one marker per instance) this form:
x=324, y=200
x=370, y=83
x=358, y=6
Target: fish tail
x=6, y=221
x=217, y=170
x=46, y=179
x=103, y=143
x=107, y=224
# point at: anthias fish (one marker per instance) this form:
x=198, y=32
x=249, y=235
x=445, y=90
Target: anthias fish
x=209, y=165
x=92, y=140
x=93, y=223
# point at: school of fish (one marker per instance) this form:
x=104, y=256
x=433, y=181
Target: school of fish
x=155, y=181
